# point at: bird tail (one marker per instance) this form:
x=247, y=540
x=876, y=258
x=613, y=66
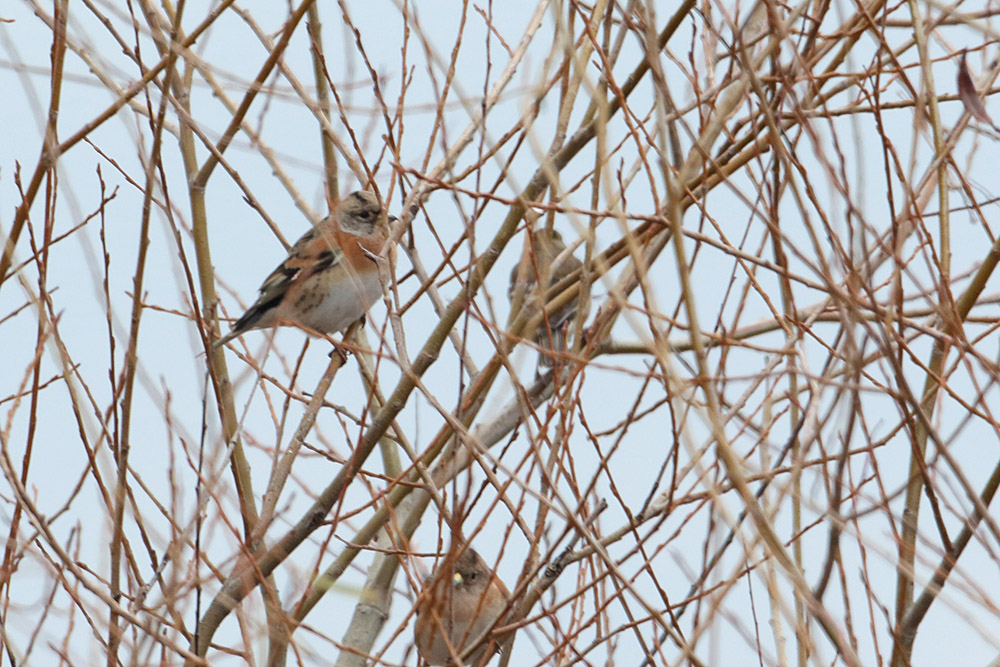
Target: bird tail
x=556, y=342
x=249, y=320
x=235, y=333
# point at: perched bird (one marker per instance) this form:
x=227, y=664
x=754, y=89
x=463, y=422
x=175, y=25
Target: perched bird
x=329, y=278
x=462, y=598
x=536, y=266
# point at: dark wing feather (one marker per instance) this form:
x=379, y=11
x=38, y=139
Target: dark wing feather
x=310, y=255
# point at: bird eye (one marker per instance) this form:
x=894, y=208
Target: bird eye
x=364, y=215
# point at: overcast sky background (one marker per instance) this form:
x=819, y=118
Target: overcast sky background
x=171, y=382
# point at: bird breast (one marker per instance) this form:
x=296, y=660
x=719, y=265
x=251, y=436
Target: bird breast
x=334, y=298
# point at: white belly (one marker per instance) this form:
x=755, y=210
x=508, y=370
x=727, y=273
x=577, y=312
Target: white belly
x=333, y=310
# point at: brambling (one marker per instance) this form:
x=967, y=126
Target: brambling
x=330, y=277
x=461, y=599
x=536, y=267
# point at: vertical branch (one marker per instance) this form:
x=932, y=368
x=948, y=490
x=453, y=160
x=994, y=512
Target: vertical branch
x=131, y=359
x=51, y=150
x=46, y=162
x=198, y=178
x=315, y=29
x=903, y=645
x=49, y=155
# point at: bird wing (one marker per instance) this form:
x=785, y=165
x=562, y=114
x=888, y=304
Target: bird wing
x=311, y=254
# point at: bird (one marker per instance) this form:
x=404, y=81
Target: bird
x=537, y=264
x=462, y=598
x=330, y=277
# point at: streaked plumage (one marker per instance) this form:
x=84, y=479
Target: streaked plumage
x=328, y=279
x=463, y=597
x=537, y=264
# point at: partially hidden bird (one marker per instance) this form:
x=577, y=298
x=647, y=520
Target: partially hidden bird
x=536, y=267
x=330, y=277
x=461, y=599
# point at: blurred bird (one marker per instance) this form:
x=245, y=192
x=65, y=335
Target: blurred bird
x=329, y=278
x=536, y=266
x=462, y=598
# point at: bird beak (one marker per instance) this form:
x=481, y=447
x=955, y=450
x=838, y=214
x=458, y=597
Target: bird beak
x=392, y=218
